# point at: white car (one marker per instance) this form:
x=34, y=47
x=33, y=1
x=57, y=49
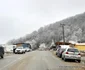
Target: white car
x=27, y=49
x=20, y=50
x=61, y=49
x=71, y=53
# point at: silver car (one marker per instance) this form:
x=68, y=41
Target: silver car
x=71, y=53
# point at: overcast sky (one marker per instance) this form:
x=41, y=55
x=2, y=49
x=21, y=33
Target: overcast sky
x=21, y=17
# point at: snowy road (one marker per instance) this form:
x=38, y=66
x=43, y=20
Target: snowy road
x=37, y=60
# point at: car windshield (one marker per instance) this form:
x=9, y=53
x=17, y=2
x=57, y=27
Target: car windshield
x=20, y=48
x=72, y=50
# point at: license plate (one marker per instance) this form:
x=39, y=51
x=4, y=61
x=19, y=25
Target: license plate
x=75, y=53
x=73, y=57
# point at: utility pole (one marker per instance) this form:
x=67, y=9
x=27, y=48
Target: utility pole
x=63, y=32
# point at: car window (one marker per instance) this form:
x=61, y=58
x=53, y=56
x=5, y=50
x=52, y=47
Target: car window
x=72, y=50
x=20, y=47
x=63, y=49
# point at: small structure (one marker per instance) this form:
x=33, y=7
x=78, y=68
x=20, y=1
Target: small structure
x=25, y=45
x=80, y=46
x=62, y=43
x=32, y=43
x=66, y=44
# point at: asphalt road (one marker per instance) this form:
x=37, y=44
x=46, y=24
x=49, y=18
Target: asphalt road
x=37, y=60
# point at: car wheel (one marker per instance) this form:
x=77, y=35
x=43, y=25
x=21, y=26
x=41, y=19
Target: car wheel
x=2, y=56
x=23, y=52
x=60, y=55
x=64, y=59
x=79, y=61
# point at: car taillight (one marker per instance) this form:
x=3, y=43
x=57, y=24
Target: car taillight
x=66, y=52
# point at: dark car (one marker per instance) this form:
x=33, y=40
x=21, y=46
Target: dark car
x=60, y=51
x=1, y=52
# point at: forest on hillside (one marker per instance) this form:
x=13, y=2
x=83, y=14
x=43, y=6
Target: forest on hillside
x=74, y=31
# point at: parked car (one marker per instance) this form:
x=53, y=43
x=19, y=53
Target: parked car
x=20, y=50
x=71, y=53
x=27, y=49
x=61, y=49
x=1, y=52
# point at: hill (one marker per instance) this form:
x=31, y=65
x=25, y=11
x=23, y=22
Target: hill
x=74, y=31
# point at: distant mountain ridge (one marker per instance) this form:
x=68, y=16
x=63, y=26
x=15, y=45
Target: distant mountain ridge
x=74, y=31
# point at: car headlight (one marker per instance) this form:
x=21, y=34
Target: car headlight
x=15, y=50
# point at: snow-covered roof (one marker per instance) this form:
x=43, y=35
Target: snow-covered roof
x=65, y=46
x=80, y=43
x=72, y=42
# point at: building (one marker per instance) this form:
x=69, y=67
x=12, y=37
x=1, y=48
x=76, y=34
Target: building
x=80, y=46
x=62, y=43
x=25, y=45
